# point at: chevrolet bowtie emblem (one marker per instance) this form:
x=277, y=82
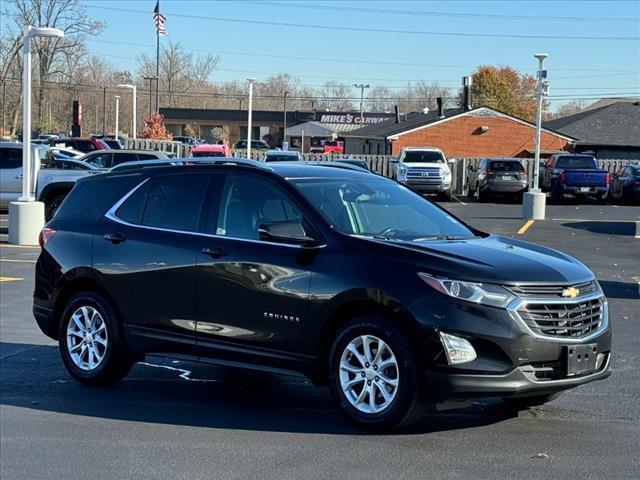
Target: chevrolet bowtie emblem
x=570, y=292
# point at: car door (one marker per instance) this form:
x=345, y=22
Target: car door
x=145, y=253
x=251, y=293
x=10, y=175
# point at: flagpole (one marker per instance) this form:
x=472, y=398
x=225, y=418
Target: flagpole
x=157, y=71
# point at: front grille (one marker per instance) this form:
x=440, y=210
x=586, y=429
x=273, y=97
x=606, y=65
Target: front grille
x=553, y=291
x=425, y=174
x=571, y=319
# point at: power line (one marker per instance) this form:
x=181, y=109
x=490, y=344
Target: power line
x=373, y=30
x=413, y=13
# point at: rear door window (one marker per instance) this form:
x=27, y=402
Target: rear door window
x=10, y=158
x=125, y=157
x=502, y=166
x=132, y=209
x=174, y=202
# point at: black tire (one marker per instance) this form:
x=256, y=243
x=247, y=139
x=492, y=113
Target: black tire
x=53, y=205
x=601, y=198
x=470, y=191
x=522, y=403
x=445, y=196
x=556, y=196
x=116, y=361
x=482, y=196
x=410, y=401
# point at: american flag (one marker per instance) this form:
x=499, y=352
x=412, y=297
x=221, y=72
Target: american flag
x=159, y=20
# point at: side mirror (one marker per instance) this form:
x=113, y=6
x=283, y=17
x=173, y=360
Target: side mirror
x=285, y=232
x=451, y=161
x=393, y=159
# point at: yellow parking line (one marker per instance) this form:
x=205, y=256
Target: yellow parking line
x=10, y=279
x=525, y=227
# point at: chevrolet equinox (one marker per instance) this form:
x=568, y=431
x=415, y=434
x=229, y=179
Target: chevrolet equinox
x=342, y=275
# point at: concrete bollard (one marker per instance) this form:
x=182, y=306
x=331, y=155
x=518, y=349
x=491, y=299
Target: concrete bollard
x=533, y=205
x=26, y=219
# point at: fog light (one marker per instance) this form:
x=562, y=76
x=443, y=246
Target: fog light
x=458, y=350
x=599, y=360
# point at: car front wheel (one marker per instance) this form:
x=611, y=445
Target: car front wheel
x=374, y=376
x=90, y=341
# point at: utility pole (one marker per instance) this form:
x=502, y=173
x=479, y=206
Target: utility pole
x=117, y=115
x=150, y=78
x=284, y=124
x=361, y=86
x=250, y=119
x=4, y=103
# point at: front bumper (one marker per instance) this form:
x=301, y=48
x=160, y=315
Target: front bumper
x=579, y=190
x=512, y=360
x=427, y=187
x=506, y=187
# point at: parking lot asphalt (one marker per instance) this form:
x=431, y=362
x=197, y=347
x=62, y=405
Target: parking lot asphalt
x=171, y=419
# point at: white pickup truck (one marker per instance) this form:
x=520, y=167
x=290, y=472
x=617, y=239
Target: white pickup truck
x=424, y=170
x=51, y=183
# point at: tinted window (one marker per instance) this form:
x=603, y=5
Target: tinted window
x=502, y=166
x=131, y=210
x=576, y=162
x=423, y=156
x=147, y=156
x=10, y=157
x=248, y=202
x=98, y=160
x=379, y=208
x=175, y=201
x=83, y=145
x=207, y=154
x=281, y=158
x=119, y=158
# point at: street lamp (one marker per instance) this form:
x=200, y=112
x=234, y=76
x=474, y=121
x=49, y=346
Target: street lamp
x=132, y=87
x=117, y=115
x=26, y=216
x=361, y=86
x=284, y=129
x=533, y=203
x=251, y=82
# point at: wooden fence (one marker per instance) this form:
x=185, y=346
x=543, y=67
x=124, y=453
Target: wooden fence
x=177, y=148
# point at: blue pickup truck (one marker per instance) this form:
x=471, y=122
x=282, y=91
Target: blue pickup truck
x=576, y=175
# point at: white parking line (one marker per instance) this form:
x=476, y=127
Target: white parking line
x=458, y=200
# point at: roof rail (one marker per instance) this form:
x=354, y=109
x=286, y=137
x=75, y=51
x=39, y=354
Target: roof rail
x=189, y=161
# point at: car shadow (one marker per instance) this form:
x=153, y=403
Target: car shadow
x=191, y=394
x=622, y=290
x=621, y=228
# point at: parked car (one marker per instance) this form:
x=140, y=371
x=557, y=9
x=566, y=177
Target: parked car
x=210, y=150
x=576, y=175
x=347, y=277
x=424, y=170
x=47, y=136
x=85, y=145
x=105, y=159
x=333, y=146
x=497, y=176
x=255, y=145
x=66, y=151
x=282, y=156
x=114, y=144
x=51, y=183
x=625, y=184
x=357, y=162
x=185, y=140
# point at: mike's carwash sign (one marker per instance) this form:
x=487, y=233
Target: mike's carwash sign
x=350, y=118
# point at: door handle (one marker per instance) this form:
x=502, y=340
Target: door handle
x=214, y=252
x=115, y=237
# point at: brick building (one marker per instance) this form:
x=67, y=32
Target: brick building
x=480, y=132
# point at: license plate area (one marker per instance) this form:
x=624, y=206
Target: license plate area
x=581, y=359
x=585, y=189
x=506, y=177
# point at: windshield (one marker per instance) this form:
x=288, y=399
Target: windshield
x=507, y=166
x=576, y=162
x=379, y=208
x=423, y=156
x=281, y=158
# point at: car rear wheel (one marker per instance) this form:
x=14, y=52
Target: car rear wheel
x=90, y=341
x=374, y=376
x=53, y=205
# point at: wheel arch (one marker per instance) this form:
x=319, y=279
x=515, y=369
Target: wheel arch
x=53, y=189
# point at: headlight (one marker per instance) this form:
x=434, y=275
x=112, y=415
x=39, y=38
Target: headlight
x=401, y=172
x=484, y=293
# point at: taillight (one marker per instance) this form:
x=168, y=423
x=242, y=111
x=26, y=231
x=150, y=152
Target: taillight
x=46, y=234
x=607, y=178
x=563, y=177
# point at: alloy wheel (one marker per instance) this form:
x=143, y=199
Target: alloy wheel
x=87, y=338
x=369, y=374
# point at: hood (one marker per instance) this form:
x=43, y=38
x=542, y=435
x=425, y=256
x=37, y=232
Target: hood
x=494, y=259
x=444, y=166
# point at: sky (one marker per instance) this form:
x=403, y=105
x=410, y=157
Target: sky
x=593, y=46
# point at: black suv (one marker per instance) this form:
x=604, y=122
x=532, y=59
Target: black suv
x=346, y=277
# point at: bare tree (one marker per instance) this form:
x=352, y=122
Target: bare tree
x=51, y=54
x=379, y=99
x=334, y=96
x=569, y=108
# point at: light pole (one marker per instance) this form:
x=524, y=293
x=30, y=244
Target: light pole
x=135, y=112
x=117, y=115
x=26, y=216
x=251, y=82
x=361, y=86
x=533, y=204
x=284, y=123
